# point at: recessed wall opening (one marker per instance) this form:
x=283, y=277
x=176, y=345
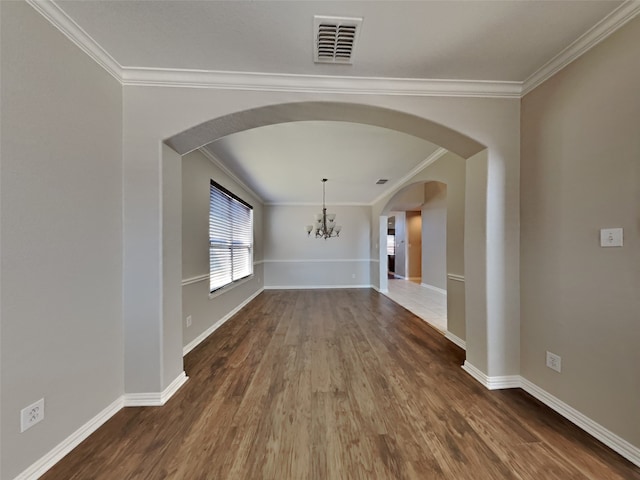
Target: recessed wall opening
x=417, y=252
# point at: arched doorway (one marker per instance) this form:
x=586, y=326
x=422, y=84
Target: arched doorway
x=162, y=330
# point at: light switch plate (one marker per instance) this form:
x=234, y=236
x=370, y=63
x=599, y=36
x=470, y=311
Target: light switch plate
x=611, y=237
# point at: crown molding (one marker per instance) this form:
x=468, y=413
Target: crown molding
x=161, y=77
x=270, y=82
x=74, y=32
x=274, y=82
x=601, y=30
x=213, y=159
x=417, y=169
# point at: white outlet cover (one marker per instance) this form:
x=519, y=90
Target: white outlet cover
x=554, y=362
x=611, y=237
x=31, y=415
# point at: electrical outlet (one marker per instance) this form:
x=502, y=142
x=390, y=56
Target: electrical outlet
x=31, y=415
x=188, y=321
x=353, y=275
x=554, y=362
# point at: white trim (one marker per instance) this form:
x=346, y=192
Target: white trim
x=610, y=439
x=583, y=44
x=230, y=286
x=435, y=289
x=317, y=260
x=199, y=278
x=492, y=383
x=455, y=278
x=593, y=428
x=417, y=169
x=74, y=32
x=374, y=260
x=157, y=77
x=155, y=399
x=213, y=159
x=200, y=338
x=280, y=82
x=313, y=287
x=37, y=469
x=205, y=276
x=455, y=339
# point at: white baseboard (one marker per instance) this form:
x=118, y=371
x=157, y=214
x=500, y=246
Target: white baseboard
x=431, y=287
x=200, y=338
x=455, y=339
x=312, y=287
x=610, y=439
x=155, y=399
x=492, y=383
x=593, y=428
x=37, y=469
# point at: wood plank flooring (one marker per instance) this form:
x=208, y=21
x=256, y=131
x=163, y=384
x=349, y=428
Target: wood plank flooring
x=331, y=385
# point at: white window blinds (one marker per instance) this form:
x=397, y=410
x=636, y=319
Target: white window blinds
x=230, y=237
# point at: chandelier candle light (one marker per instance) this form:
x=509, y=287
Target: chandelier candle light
x=325, y=226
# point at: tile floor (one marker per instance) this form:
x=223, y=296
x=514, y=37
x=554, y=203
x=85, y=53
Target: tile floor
x=429, y=305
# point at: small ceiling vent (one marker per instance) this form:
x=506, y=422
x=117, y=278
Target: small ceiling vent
x=335, y=38
x=382, y=181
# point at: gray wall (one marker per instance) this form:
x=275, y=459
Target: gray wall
x=581, y=173
x=434, y=235
x=61, y=217
x=197, y=171
x=292, y=259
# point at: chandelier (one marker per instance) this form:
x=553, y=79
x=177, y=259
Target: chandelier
x=325, y=226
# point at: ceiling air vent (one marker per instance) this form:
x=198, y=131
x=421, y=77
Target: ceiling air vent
x=335, y=38
x=382, y=181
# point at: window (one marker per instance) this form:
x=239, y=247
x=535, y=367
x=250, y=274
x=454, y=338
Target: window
x=391, y=244
x=230, y=237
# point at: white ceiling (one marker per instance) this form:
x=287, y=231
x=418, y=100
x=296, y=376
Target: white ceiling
x=285, y=163
x=499, y=41
x=476, y=40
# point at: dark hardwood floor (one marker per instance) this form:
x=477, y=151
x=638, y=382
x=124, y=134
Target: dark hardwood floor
x=337, y=384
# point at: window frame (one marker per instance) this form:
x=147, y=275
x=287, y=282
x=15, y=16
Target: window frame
x=225, y=240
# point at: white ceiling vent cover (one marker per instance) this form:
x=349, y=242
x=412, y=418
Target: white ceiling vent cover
x=335, y=38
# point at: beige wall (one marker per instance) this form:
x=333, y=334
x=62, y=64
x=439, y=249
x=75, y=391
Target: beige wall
x=295, y=260
x=434, y=234
x=581, y=173
x=61, y=217
x=197, y=172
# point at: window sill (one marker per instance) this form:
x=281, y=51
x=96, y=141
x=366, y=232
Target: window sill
x=229, y=287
